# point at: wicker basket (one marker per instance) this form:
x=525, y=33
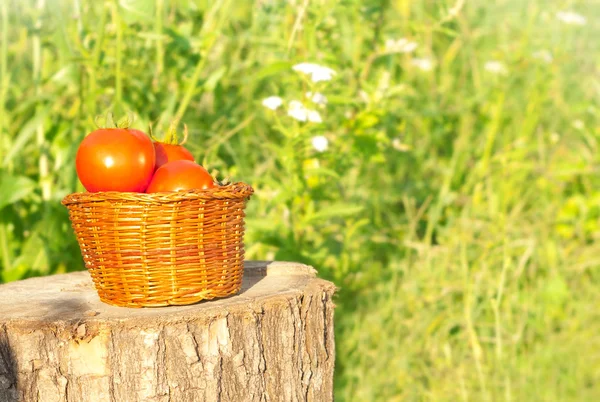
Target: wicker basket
x=149, y=250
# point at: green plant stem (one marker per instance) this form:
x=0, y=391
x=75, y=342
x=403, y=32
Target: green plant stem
x=3, y=73
x=189, y=93
x=160, y=50
x=77, y=9
x=6, y=252
x=118, y=57
x=492, y=132
x=473, y=338
x=212, y=31
x=297, y=24
x=43, y=163
x=94, y=65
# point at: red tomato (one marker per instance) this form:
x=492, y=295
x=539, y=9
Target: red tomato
x=180, y=175
x=170, y=152
x=169, y=149
x=115, y=159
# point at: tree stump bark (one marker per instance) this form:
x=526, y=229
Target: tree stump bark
x=272, y=342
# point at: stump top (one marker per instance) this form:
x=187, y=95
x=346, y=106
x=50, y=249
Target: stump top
x=71, y=297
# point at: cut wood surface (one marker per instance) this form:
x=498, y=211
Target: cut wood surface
x=272, y=342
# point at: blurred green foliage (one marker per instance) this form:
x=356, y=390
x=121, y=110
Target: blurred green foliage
x=456, y=206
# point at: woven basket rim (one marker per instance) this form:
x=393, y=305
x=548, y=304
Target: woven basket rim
x=230, y=191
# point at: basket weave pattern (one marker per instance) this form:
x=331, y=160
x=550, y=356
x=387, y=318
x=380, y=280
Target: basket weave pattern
x=162, y=249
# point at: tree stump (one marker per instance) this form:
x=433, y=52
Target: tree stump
x=272, y=342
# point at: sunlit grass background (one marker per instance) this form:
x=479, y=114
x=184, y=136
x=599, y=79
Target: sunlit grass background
x=456, y=207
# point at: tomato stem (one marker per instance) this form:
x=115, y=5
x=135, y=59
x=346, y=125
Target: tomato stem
x=150, y=132
x=108, y=121
x=97, y=120
x=125, y=121
x=171, y=136
x=185, y=134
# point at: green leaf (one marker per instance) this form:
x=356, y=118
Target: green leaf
x=272, y=69
x=213, y=79
x=25, y=135
x=556, y=291
x=34, y=257
x=262, y=225
x=14, y=274
x=14, y=188
x=338, y=210
x=137, y=10
x=325, y=172
x=342, y=100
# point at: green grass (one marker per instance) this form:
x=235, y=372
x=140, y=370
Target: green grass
x=457, y=209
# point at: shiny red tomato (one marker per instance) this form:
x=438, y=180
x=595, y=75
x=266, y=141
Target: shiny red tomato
x=170, y=152
x=115, y=159
x=180, y=175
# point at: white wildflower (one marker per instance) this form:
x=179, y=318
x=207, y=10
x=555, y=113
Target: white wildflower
x=578, y=124
x=317, y=98
x=298, y=111
x=422, y=64
x=401, y=45
x=316, y=72
x=314, y=116
x=272, y=102
x=324, y=74
x=397, y=144
x=453, y=12
x=320, y=143
x=364, y=96
x=495, y=67
x=571, y=18
x=543, y=55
